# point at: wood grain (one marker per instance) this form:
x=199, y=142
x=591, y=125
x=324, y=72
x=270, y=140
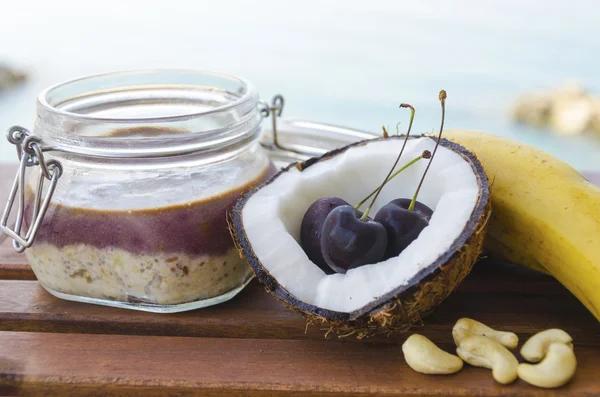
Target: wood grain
x=57, y=364
x=505, y=296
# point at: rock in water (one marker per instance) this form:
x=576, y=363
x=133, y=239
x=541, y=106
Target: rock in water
x=10, y=77
x=567, y=110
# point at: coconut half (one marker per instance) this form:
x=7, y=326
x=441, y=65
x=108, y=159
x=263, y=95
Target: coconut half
x=387, y=296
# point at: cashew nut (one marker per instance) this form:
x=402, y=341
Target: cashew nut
x=556, y=369
x=424, y=356
x=466, y=327
x=482, y=351
x=535, y=348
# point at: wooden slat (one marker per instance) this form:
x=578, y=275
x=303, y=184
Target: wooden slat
x=60, y=364
x=16, y=272
x=517, y=299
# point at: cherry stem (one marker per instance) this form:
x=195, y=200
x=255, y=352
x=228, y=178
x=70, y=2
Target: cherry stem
x=412, y=117
x=425, y=155
x=443, y=96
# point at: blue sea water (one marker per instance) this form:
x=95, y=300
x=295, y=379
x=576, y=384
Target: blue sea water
x=345, y=62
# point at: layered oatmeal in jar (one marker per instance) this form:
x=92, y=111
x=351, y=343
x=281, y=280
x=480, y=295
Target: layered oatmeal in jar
x=163, y=255
x=151, y=163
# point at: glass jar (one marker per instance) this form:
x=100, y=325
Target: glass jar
x=140, y=171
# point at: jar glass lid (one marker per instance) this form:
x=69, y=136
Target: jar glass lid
x=113, y=115
x=299, y=140
x=147, y=95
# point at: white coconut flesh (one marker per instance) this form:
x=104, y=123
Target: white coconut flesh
x=273, y=215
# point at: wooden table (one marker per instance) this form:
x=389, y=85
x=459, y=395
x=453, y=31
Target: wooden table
x=253, y=346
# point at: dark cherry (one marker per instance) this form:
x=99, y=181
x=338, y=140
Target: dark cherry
x=348, y=242
x=402, y=227
x=312, y=224
x=420, y=208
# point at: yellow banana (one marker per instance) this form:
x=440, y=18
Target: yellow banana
x=545, y=214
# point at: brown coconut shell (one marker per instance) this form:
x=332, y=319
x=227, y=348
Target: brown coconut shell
x=406, y=305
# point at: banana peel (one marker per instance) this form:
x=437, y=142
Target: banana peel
x=545, y=216
x=511, y=254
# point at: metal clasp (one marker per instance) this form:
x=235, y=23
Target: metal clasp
x=31, y=153
x=275, y=110
x=317, y=138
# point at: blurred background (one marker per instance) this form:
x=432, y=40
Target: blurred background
x=344, y=62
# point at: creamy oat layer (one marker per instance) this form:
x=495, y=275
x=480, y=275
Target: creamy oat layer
x=116, y=274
